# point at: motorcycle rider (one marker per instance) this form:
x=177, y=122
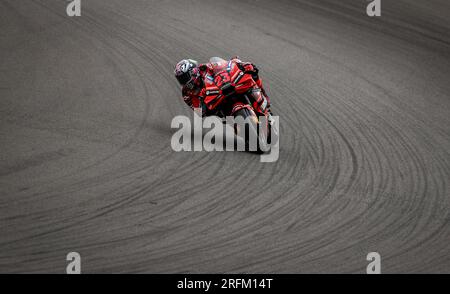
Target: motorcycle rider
x=190, y=75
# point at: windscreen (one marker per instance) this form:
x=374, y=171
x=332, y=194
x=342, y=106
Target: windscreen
x=218, y=64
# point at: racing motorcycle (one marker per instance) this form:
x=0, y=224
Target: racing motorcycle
x=230, y=91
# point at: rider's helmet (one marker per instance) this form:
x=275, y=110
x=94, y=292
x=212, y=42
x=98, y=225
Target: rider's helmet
x=186, y=71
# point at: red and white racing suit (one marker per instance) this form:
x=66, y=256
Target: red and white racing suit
x=194, y=96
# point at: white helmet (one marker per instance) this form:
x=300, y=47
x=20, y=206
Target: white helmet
x=185, y=71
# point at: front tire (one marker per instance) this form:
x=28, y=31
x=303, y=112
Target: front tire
x=254, y=129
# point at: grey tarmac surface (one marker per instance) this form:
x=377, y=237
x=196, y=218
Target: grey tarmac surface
x=86, y=163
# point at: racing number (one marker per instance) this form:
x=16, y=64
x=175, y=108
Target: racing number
x=222, y=78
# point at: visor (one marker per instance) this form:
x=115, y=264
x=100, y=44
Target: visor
x=184, y=78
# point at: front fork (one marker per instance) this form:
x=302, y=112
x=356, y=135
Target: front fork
x=260, y=103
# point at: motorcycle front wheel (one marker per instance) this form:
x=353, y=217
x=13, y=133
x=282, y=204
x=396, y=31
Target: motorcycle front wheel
x=255, y=132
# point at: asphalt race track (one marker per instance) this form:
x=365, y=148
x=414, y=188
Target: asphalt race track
x=87, y=166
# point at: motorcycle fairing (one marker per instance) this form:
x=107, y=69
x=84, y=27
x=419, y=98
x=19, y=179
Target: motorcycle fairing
x=226, y=79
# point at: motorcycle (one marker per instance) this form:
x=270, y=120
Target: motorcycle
x=230, y=91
